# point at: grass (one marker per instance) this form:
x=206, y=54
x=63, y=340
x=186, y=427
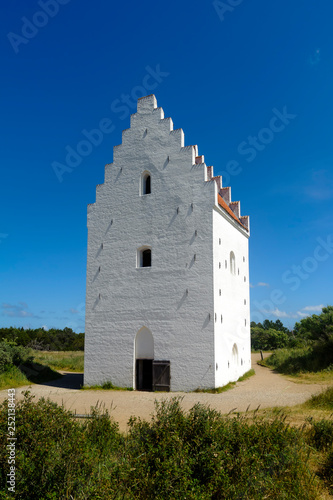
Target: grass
x=107, y=386
x=306, y=364
x=230, y=385
x=27, y=374
x=12, y=378
x=323, y=400
x=61, y=360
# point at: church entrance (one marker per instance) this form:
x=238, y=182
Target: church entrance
x=150, y=374
x=144, y=374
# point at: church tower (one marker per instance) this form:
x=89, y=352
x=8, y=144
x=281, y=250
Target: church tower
x=167, y=302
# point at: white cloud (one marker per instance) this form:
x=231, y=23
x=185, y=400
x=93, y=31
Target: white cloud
x=17, y=311
x=302, y=314
x=260, y=283
x=313, y=308
x=281, y=314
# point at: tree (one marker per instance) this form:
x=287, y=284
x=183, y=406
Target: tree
x=317, y=327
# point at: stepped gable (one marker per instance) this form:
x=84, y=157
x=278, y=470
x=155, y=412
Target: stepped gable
x=147, y=117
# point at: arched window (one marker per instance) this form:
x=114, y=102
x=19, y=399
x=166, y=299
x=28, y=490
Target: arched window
x=232, y=263
x=145, y=183
x=144, y=257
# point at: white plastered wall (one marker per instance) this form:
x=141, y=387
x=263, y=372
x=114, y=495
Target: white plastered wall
x=174, y=298
x=231, y=299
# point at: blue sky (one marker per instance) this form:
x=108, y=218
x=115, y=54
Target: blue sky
x=249, y=82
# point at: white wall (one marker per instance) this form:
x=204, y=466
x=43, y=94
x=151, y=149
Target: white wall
x=174, y=298
x=231, y=299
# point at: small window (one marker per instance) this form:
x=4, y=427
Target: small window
x=244, y=279
x=244, y=302
x=145, y=183
x=219, y=241
x=243, y=259
x=245, y=322
x=232, y=263
x=215, y=317
x=221, y=318
x=144, y=257
x=225, y=264
x=220, y=292
x=219, y=265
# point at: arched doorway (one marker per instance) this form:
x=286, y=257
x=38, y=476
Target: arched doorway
x=144, y=355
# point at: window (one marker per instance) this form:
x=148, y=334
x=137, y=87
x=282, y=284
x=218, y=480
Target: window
x=219, y=265
x=232, y=263
x=219, y=241
x=145, y=183
x=144, y=257
x=220, y=292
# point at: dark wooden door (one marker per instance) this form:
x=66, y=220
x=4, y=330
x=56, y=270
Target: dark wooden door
x=144, y=374
x=161, y=376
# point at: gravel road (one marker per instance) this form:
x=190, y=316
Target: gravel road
x=265, y=388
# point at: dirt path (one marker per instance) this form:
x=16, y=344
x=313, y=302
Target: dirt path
x=265, y=388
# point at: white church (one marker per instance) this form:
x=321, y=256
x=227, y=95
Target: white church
x=167, y=303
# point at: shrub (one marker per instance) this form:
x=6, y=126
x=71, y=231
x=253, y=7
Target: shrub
x=12, y=354
x=326, y=471
x=322, y=400
x=200, y=454
x=320, y=434
x=307, y=359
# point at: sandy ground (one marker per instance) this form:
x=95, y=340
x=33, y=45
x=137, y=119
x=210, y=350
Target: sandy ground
x=265, y=389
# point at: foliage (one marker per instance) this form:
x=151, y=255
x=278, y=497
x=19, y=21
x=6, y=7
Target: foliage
x=299, y=360
x=320, y=434
x=266, y=340
x=12, y=354
x=61, y=360
x=53, y=339
x=322, y=400
x=17, y=367
x=313, y=337
x=317, y=327
x=200, y=454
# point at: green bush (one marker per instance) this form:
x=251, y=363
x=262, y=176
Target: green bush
x=206, y=455
x=200, y=454
x=320, y=434
x=326, y=471
x=313, y=358
x=12, y=354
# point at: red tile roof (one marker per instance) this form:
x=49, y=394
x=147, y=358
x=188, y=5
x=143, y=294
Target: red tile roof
x=224, y=205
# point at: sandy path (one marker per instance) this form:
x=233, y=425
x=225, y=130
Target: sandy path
x=265, y=388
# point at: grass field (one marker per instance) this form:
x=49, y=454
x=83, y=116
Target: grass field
x=71, y=361
x=302, y=365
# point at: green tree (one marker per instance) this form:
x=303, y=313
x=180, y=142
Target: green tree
x=317, y=327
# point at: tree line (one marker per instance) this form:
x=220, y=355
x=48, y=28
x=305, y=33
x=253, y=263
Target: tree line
x=54, y=339
x=270, y=335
